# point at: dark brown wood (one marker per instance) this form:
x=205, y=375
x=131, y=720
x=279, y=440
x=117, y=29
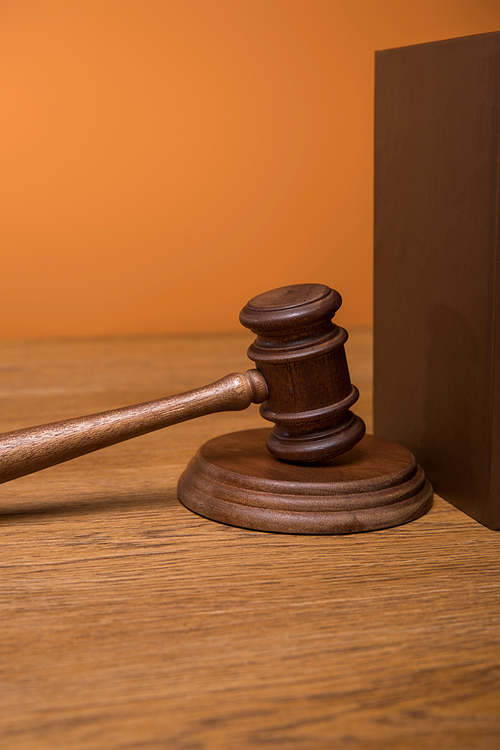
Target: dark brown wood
x=26, y=451
x=300, y=352
x=437, y=264
x=233, y=479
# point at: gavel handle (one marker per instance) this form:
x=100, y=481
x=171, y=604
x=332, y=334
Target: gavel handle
x=32, y=449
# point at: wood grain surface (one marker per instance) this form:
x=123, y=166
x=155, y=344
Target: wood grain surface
x=126, y=621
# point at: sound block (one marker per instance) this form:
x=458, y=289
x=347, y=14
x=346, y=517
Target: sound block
x=234, y=479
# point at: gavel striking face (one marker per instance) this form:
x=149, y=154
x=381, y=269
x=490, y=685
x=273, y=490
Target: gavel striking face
x=301, y=381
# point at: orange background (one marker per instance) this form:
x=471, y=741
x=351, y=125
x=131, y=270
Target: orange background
x=162, y=161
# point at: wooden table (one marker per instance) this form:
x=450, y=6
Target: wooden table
x=129, y=622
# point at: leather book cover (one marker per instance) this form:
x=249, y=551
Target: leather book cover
x=437, y=265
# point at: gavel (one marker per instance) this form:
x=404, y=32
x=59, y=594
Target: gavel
x=315, y=472
x=302, y=381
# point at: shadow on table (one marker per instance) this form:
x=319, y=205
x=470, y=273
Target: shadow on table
x=75, y=503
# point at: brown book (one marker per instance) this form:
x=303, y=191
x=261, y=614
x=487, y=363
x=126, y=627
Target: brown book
x=437, y=264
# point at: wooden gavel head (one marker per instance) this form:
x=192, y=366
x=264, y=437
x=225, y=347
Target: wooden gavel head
x=300, y=352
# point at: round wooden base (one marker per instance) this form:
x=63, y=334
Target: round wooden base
x=234, y=479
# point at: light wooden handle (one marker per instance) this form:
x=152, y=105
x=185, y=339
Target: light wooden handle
x=28, y=450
